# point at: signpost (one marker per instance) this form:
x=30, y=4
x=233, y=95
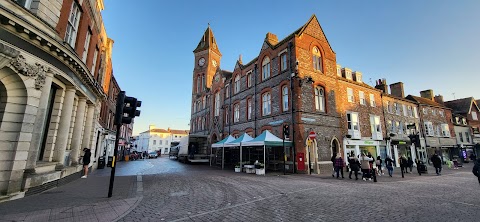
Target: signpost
x=312, y=135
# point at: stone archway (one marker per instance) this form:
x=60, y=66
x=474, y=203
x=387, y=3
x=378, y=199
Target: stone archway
x=335, y=146
x=14, y=122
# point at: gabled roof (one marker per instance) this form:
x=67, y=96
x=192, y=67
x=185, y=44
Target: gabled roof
x=297, y=32
x=207, y=41
x=424, y=101
x=461, y=106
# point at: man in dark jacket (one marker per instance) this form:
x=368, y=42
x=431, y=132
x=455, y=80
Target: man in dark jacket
x=354, y=166
x=437, y=163
x=476, y=169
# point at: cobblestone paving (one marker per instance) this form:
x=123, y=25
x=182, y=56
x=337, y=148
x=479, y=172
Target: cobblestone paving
x=178, y=192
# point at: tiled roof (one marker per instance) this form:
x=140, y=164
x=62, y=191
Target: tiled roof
x=178, y=131
x=159, y=131
x=425, y=101
x=460, y=106
x=207, y=41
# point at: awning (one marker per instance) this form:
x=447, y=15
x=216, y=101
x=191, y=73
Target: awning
x=221, y=143
x=267, y=139
x=239, y=141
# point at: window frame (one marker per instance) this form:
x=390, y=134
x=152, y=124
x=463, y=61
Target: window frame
x=350, y=95
x=266, y=68
x=236, y=112
x=86, y=46
x=249, y=108
x=217, y=104
x=372, y=100
x=236, y=84
x=285, y=98
x=320, y=99
x=361, y=96
x=283, y=62
x=266, y=103
x=94, y=62
x=71, y=30
x=317, y=59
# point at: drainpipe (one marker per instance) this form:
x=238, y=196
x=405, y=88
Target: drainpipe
x=255, y=99
x=290, y=46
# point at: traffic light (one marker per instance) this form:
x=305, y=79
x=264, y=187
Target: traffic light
x=126, y=109
x=286, y=131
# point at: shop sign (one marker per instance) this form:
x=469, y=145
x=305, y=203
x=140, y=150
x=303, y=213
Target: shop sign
x=448, y=141
x=433, y=142
x=276, y=123
x=362, y=142
x=308, y=119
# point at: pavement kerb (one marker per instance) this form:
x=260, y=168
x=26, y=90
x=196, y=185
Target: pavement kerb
x=139, y=195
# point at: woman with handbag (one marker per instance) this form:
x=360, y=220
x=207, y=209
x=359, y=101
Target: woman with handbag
x=379, y=165
x=339, y=164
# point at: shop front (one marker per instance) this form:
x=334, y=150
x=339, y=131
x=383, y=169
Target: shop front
x=447, y=147
x=433, y=146
x=402, y=148
x=357, y=147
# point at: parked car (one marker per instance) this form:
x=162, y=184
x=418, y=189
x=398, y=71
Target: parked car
x=152, y=155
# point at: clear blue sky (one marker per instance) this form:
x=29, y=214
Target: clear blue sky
x=428, y=44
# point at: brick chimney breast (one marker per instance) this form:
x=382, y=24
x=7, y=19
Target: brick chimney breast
x=427, y=94
x=439, y=99
x=396, y=89
x=381, y=84
x=272, y=38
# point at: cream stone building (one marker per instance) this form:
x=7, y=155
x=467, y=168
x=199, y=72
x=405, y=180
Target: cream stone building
x=52, y=76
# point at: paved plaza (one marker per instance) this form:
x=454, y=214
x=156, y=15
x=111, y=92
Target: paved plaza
x=177, y=192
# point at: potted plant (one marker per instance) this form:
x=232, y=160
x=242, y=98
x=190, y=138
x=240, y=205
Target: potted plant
x=238, y=169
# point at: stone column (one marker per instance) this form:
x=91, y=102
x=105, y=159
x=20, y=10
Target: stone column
x=88, y=128
x=39, y=125
x=77, y=130
x=64, y=127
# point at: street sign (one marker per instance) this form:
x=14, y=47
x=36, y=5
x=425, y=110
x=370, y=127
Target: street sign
x=312, y=135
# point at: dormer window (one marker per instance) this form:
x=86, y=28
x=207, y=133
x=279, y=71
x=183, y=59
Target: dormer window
x=464, y=121
x=348, y=74
x=457, y=120
x=339, y=70
x=317, y=59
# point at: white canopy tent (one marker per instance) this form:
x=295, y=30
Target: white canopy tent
x=221, y=144
x=267, y=139
x=238, y=142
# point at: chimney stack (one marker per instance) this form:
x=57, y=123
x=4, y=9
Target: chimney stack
x=272, y=38
x=427, y=94
x=439, y=99
x=381, y=84
x=396, y=89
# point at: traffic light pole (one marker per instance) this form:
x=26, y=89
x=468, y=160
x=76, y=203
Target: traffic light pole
x=115, y=153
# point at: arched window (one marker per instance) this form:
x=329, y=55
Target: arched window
x=198, y=84
x=317, y=59
x=320, y=99
x=203, y=82
x=236, y=88
x=266, y=104
x=265, y=68
x=285, y=98
x=236, y=113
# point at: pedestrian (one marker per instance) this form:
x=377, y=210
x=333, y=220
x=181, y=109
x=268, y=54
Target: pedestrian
x=354, y=166
x=476, y=169
x=365, y=165
x=86, y=161
x=419, y=166
x=371, y=161
x=410, y=164
x=333, y=164
x=379, y=165
x=437, y=163
x=339, y=164
x=403, y=165
x=389, y=165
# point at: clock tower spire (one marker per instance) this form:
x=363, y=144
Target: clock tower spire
x=207, y=60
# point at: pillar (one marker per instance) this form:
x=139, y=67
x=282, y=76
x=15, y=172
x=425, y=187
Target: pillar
x=39, y=125
x=77, y=130
x=87, y=133
x=64, y=127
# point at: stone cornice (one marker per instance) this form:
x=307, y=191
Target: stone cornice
x=49, y=44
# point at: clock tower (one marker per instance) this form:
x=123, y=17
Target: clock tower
x=206, y=64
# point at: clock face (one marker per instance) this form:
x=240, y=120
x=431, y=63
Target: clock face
x=201, y=61
x=214, y=63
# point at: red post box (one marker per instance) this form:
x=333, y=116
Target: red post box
x=301, y=161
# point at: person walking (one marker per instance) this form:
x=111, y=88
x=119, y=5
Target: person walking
x=86, y=161
x=333, y=164
x=339, y=164
x=476, y=169
x=354, y=166
x=389, y=165
x=365, y=165
x=379, y=165
x=420, y=166
x=403, y=165
x=369, y=155
x=437, y=163
x=410, y=164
